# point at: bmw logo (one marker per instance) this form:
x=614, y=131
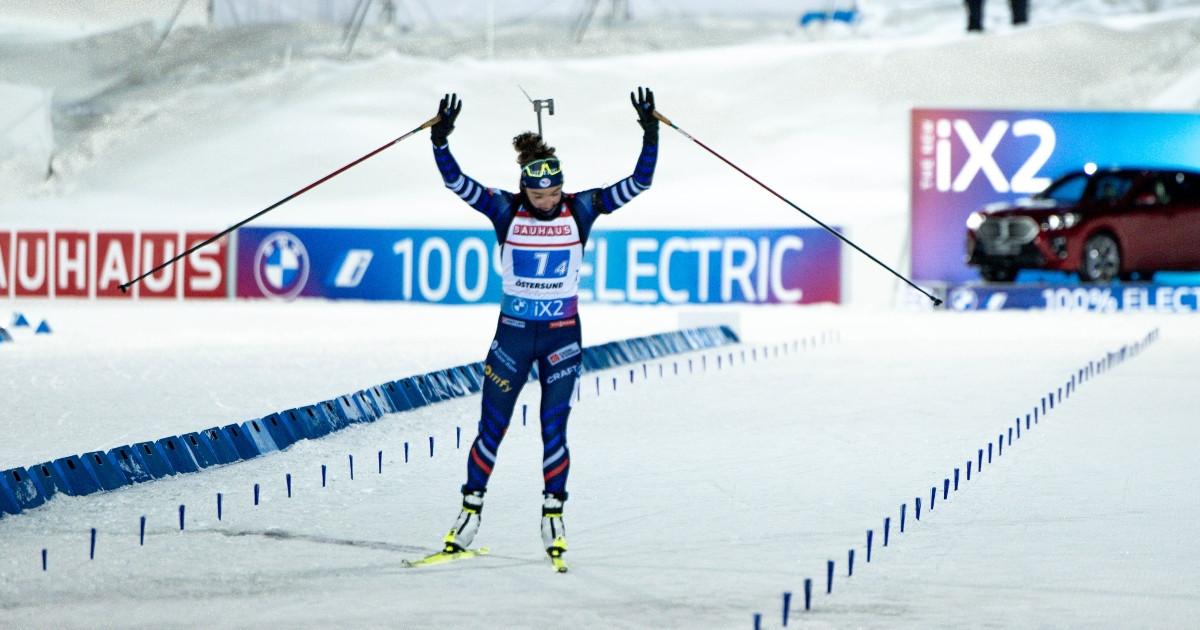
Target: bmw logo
x=518, y=305
x=544, y=182
x=281, y=266
x=962, y=299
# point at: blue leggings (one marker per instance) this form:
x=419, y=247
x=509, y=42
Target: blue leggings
x=556, y=349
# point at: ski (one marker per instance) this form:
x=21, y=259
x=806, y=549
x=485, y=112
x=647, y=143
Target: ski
x=443, y=557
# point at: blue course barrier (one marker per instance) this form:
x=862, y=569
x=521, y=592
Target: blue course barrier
x=222, y=448
x=280, y=433
x=24, y=489
x=178, y=454
x=8, y=500
x=76, y=481
x=246, y=449
x=200, y=449
x=131, y=463
x=261, y=438
x=104, y=470
x=192, y=451
x=156, y=461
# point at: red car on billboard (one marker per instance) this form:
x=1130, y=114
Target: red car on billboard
x=1100, y=224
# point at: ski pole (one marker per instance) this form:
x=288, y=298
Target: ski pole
x=936, y=301
x=425, y=125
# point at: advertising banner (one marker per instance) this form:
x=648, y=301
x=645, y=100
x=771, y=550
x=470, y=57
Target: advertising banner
x=1104, y=299
x=777, y=266
x=963, y=160
x=85, y=264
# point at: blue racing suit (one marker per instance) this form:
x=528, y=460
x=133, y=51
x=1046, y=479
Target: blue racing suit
x=538, y=313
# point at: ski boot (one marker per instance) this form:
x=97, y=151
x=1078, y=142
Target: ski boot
x=467, y=525
x=554, y=532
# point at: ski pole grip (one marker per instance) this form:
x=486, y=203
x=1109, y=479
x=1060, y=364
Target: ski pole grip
x=431, y=122
x=663, y=118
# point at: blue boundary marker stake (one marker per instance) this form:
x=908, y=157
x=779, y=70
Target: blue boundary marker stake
x=887, y=530
x=597, y=385
x=1010, y=435
x=351, y=458
x=945, y=489
x=1026, y=422
x=870, y=543
x=524, y=413
x=431, y=446
x=1043, y=405
x=631, y=377
x=255, y=494
x=660, y=371
x=220, y=501
x=979, y=464
x=182, y=520
x=807, y=593
x=932, y=497
x=323, y=475
x=1018, y=423
x=676, y=369
x=989, y=455
x=614, y=383
x=287, y=479
x=457, y=438
x=917, y=510
x=142, y=531
x=1000, y=445
x=850, y=563
x=828, y=577
x=787, y=606
x=406, y=452
x=380, y=456
x=956, y=480
x=969, y=463
x=757, y=621
x=1035, y=415
x=92, y=546
x=45, y=560
x=903, y=512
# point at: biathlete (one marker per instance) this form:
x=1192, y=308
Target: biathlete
x=542, y=232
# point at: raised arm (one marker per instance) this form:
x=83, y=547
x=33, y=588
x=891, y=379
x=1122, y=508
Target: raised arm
x=477, y=196
x=620, y=193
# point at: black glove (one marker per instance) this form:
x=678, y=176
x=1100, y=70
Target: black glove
x=448, y=109
x=643, y=102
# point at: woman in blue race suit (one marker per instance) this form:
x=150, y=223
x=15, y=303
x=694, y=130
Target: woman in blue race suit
x=542, y=232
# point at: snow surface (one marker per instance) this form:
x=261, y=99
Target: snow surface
x=697, y=499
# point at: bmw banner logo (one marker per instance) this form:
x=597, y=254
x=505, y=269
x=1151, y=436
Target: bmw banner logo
x=544, y=182
x=964, y=299
x=281, y=266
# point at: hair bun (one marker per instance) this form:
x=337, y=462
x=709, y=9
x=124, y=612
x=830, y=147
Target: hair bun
x=531, y=146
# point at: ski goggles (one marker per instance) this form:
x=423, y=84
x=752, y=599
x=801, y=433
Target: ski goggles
x=544, y=173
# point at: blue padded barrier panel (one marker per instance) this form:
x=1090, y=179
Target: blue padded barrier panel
x=75, y=477
x=381, y=399
x=220, y=444
x=453, y=381
x=281, y=434
x=422, y=382
x=242, y=443
x=730, y=336
x=178, y=454
x=348, y=409
x=47, y=478
x=336, y=414
x=156, y=461
x=26, y=492
x=395, y=393
x=308, y=422
x=413, y=391
x=591, y=360
x=259, y=435
x=440, y=384
x=104, y=470
x=201, y=449
x=370, y=409
x=320, y=419
x=468, y=379
x=8, y=501
x=131, y=463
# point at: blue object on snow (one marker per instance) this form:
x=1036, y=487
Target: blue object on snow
x=201, y=449
x=131, y=463
x=20, y=321
x=810, y=17
x=4, y=336
x=156, y=461
x=310, y=421
x=8, y=502
x=413, y=391
x=245, y=446
x=76, y=479
x=281, y=434
x=221, y=447
x=257, y=434
x=43, y=475
x=103, y=470
x=178, y=454
x=43, y=328
x=395, y=393
x=337, y=416
x=25, y=490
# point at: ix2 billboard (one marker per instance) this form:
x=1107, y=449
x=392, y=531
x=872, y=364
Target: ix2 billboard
x=963, y=160
x=778, y=266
